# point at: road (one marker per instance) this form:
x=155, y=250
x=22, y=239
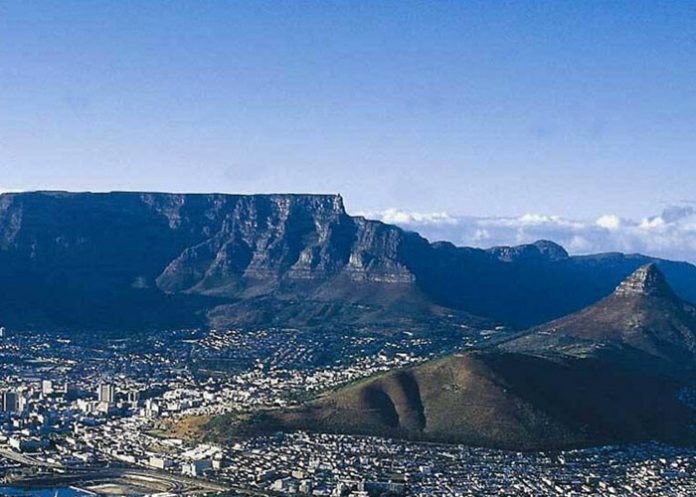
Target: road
x=175, y=483
x=12, y=455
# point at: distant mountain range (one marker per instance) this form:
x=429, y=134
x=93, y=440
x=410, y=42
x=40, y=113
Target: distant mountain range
x=133, y=261
x=609, y=373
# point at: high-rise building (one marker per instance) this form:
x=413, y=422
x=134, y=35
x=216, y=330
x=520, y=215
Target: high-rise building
x=22, y=403
x=46, y=387
x=105, y=393
x=10, y=402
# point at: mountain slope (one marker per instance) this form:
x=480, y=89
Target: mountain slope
x=643, y=314
x=510, y=401
x=609, y=373
x=128, y=260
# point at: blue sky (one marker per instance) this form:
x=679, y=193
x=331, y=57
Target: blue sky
x=488, y=109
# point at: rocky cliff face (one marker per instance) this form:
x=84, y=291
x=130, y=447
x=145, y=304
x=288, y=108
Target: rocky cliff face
x=196, y=243
x=269, y=240
x=114, y=250
x=158, y=259
x=647, y=281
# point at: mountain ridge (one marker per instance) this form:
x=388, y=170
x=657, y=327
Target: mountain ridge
x=176, y=260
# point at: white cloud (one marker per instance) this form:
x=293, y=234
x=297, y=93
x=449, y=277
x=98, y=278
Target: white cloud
x=482, y=234
x=609, y=221
x=579, y=244
x=671, y=234
x=402, y=218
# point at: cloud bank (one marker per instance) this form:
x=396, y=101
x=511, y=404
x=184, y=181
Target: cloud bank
x=671, y=234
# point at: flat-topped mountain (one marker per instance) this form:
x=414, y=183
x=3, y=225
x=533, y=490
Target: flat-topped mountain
x=128, y=260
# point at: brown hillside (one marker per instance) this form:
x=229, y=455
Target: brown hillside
x=509, y=401
x=643, y=313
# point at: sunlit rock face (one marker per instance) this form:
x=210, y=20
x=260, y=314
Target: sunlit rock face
x=647, y=280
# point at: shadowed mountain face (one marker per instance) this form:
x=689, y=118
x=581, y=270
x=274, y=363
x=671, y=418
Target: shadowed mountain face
x=609, y=373
x=142, y=260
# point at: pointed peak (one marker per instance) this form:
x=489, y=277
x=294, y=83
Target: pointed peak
x=646, y=280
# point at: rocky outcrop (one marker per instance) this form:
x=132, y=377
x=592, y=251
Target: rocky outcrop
x=647, y=281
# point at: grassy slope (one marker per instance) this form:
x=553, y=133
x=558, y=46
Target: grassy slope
x=509, y=401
